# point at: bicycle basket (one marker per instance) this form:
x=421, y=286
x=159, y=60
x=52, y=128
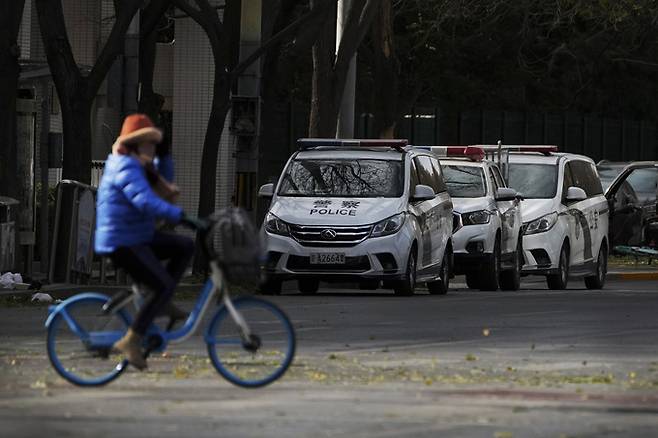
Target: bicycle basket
x=237, y=246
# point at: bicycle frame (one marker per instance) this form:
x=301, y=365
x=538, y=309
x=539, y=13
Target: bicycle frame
x=213, y=286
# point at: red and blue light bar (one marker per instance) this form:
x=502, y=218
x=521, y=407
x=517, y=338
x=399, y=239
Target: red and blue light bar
x=472, y=153
x=310, y=143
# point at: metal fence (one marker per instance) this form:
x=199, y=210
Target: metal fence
x=596, y=137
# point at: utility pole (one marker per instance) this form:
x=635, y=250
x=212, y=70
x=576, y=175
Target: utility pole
x=43, y=166
x=345, y=128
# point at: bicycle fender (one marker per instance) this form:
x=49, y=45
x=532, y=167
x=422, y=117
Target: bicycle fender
x=54, y=310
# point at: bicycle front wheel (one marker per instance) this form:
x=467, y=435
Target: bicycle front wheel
x=80, y=339
x=257, y=361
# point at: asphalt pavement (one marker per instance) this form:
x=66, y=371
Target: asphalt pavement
x=574, y=363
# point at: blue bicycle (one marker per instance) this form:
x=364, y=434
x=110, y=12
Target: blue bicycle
x=250, y=341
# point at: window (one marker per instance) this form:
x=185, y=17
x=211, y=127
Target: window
x=465, y=181
x=533, y=181
x=344, y=178
x=644, y=183
x=438, y=176
x=413, y=177
x=495, y=184
x=584, y=176
x=567, y=182
x=498, y=177
x=426, y=172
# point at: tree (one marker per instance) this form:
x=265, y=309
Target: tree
x=77, y=89
x=330, y=66
x=283, y=66
x=150, y=20
x=223, y=35
x=386, y=72
x=11, y=12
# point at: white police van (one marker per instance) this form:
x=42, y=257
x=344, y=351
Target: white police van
x=364, y=211
x=487, y=239
x=565, y=215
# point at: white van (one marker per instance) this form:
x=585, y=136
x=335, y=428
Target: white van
x=364, y=211
x=565, y=216
x=487, y=239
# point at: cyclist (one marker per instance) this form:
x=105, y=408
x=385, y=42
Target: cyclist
x=127, y=208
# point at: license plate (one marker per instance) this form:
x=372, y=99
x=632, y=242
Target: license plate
x=328, y=259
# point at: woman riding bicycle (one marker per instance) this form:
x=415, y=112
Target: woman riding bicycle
x=127, y=208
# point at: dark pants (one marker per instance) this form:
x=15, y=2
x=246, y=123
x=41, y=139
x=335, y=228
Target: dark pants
x=143, y=264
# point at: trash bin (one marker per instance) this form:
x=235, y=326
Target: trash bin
x=7, y=233
x=72, y=243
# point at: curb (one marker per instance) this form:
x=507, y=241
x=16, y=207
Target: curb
x=633, y=276
x=63, y=291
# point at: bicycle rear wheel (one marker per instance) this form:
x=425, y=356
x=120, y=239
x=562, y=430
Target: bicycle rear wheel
x=261, y=360
x=80, y=339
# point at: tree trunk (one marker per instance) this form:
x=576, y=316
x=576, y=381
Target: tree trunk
x=330, y=67
x=220, y=106
x=150, y=102
x=76, y=128
x=385, y=72
x=11, y=13
x=279, y=69
x=77, y=93
x=324, y=111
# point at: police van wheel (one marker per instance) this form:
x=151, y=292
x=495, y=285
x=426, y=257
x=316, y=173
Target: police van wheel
x=441, y=287
x=406, y=287
x=491, y=271
x=473, y=281
x=598, y=281
x=511, y=279
x=308, y=286
x=561, y=279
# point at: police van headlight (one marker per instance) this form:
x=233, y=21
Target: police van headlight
x=479, y=217
x=388, y=226
x=275, y=225
x=541, y=224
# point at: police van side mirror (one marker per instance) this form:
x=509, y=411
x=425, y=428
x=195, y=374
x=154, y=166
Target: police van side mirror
x=423, y=193
x=506, y=194
x=575, y=194
x=266, y=191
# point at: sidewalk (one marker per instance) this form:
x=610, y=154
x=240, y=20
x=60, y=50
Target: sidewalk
x=637, y=272
x=63, y=290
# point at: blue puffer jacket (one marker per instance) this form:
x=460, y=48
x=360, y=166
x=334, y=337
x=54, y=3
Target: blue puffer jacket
x=126, y=207
x=165, y=166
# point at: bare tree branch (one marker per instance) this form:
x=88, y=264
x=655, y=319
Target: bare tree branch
x=114, y=46
x=275, y=39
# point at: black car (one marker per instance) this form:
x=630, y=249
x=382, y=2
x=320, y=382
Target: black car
x=631, y=189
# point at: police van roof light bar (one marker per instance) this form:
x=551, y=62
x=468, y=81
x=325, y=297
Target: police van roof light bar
x=473, y=153
x=309, y=143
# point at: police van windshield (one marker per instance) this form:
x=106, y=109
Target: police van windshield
x=533, y=181
x=464, y=181
x=344, y=178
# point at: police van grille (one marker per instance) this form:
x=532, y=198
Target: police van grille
x=345, y=236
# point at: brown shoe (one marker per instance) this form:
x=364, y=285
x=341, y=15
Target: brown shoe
x=131, y=346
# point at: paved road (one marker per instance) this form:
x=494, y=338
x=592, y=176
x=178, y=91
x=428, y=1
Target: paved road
x=571, y=363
